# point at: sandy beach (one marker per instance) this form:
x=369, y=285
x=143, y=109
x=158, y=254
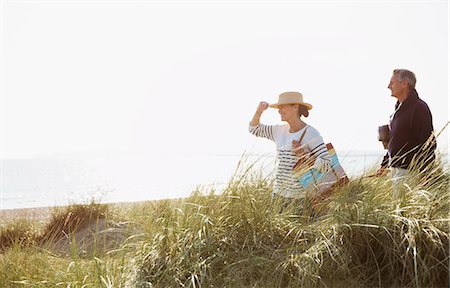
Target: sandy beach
x=36, y=214
x=42, y=214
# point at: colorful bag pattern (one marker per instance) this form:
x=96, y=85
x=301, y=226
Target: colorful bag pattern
x=317, y=183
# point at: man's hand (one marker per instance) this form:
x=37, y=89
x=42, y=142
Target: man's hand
x=381, y=171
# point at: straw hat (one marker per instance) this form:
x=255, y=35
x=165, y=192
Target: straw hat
x=291, y=98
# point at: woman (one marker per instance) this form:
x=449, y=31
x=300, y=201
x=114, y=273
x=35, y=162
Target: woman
x=311, y=149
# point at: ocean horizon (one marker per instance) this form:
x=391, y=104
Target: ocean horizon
x=44, y=182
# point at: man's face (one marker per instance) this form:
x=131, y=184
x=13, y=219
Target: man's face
x=397, y=87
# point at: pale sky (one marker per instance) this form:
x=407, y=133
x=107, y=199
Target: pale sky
x=155, y=77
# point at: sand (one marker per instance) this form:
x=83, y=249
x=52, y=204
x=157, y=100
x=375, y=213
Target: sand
x=43, y=214
x=35, y=214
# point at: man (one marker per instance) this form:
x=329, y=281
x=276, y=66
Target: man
x=412, y=143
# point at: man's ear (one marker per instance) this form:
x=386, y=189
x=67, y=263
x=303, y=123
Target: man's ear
x=404, y=83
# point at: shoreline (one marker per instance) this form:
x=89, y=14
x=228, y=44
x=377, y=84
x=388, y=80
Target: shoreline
x=43, y=214
x=35, y=213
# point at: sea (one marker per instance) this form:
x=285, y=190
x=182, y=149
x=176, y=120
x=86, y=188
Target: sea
x=57, y=181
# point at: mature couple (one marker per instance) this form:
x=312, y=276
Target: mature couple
x=410, y=129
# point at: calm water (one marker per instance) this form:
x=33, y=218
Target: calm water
x=49, y=182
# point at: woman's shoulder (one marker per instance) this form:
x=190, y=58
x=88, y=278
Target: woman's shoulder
x=312, y=130
x=313, y=134
x=281, y=127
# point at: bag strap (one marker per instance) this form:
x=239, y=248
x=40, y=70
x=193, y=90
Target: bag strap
x=300, y=142
x=303, y=135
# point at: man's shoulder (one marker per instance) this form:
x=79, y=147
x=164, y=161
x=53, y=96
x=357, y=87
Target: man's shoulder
x=422, y=106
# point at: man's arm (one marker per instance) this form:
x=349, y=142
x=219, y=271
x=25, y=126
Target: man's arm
x=384, y=165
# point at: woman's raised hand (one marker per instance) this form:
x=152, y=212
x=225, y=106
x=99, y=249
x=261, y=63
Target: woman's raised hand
x=262, y=106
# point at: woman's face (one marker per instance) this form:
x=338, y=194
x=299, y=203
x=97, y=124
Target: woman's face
x=288, y=111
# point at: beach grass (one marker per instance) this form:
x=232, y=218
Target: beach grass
x=239, y=237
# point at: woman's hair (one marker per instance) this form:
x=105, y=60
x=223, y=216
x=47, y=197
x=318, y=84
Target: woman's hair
x=302, y=111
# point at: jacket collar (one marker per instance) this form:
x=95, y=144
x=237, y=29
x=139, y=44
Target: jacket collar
x=412, y=97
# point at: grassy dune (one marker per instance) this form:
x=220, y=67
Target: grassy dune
x=364, y=237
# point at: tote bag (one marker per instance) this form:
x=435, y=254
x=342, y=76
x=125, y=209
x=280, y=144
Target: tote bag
x=318, y=184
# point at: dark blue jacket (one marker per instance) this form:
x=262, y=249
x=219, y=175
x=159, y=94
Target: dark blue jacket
x=412, y=141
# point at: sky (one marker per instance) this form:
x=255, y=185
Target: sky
x=185, y=77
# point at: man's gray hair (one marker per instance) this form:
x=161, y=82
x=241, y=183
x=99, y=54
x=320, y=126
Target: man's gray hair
x=403, y=74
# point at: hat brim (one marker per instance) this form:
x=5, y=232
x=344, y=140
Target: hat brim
x=276, y=105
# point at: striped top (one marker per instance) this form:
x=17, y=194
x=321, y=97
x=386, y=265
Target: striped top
x=286, y=184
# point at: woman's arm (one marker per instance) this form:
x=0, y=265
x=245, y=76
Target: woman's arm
x=258, y=129
x=318, y=152
x=257, y=116
x=322, y=158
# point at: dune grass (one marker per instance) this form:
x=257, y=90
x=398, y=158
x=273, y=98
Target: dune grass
x=241, y=238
